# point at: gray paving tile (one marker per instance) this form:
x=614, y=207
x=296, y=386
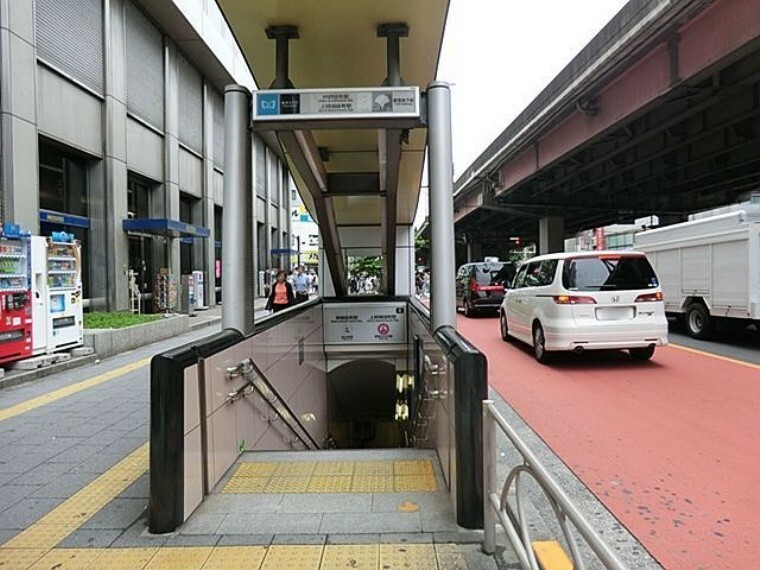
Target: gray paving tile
x=124, y=446
x=97, y=464
x=326, y=503
x=77, y=454
x=266, y=523
x=337, y=538
x=192, y=540
x=140, y=489
x=390, y=502
x=137, y=536
x=370, y=522
x=439, y=522
x=245, y=539
x=477, y=560
x=12, y=494
x=240, y=504
x=6, y=535
x=312, y=538
x=41, y=474
x=459, y=537
x=406, y=538
x=118, y=514
x=104, y=437
x=90, y=538
x=64, y=485
x=22, y=463
x=200, y=523
x=26, y=511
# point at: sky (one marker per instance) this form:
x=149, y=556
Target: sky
x=499, y=54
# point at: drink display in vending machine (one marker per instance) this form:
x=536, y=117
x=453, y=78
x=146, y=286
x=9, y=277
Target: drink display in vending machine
x=57, y=293
x=15, y=305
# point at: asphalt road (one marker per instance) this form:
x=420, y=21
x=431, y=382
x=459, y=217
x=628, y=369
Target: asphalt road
x=669, y=446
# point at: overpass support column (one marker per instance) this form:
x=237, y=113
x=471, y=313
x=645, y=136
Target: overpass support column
x=440, y=172
x=237, y=221
x=551, y=234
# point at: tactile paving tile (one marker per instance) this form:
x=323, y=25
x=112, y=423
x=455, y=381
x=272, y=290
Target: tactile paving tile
x=329, y=484
x=282, y=557
x=40, y=536
x=255, y=469
x=404, y=556
x=410, y=483
x=125, y=558
x=414, y=467
x=68, y=559
x=19, y=559
x=334, y=468
x=352, y=556
x=180, y=558
x=333, y=477
x=288, y=484
x=450, y=557
x=236, y=558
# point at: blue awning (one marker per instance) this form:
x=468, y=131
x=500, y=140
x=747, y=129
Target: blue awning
x=63, y=219
x=164, y=226
x=284, y=251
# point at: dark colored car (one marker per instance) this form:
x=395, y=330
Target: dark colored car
x=480, y=285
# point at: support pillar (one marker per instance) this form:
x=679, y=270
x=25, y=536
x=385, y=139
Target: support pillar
x=441, y=175
x=551, y=235
x=237, y=236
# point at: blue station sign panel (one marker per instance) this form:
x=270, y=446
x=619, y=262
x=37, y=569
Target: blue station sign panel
x=340, y=104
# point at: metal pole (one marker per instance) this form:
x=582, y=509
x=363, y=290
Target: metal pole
x=441, y=175
x=237, y=229
x=489, y=478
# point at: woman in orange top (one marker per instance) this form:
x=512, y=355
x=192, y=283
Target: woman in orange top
x=281, y=296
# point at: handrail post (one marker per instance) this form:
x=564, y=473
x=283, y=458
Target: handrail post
x=489, y=478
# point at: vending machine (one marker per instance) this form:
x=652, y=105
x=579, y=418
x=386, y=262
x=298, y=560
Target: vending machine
x=56, y=265
x=199, y=285
x=15, y=298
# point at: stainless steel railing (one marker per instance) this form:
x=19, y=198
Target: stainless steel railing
x=497, y=509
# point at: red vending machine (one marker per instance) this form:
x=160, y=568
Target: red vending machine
x=15, y=297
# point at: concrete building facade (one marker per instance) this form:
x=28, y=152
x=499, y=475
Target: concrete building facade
x=112, y=110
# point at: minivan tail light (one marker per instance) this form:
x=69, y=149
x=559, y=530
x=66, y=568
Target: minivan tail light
x=649, y=297
x=474, y=287
x=573, y=300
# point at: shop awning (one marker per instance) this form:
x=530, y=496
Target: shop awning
x=165, y=227
x=284, y=251
x=63, y=219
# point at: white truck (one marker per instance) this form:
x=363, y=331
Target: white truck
x=709, y=267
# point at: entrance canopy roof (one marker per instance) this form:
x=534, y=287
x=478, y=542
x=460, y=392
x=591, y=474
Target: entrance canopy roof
x=338, y=46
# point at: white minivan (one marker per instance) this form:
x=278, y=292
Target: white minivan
x=586, y=301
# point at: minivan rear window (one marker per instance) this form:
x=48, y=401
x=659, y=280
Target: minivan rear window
x=608, y=273
x=494, y=273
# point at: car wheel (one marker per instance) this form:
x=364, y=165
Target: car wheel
x=469, y=312
x=504, y=327
x=642, y=353
x=699, y=323
x=539, y=344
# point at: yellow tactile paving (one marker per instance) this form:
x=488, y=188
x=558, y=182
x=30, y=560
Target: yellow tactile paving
x=20, y=559
x=69, y=559
x=55, y=395
x=125, y=558
x=333, y=477
x=77, y=509
x=282, y=557
x=450, y=557
x=417, y=556
x=180, y=558
x=352, y=556
x=329, y=484
x=551, y=555
x=236, y=558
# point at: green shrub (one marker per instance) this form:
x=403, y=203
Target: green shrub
x=117, y=320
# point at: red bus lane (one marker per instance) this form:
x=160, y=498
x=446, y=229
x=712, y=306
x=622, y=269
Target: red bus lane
x=670, y=446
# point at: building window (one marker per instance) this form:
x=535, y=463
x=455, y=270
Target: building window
x=187, y=205
x=138, y=198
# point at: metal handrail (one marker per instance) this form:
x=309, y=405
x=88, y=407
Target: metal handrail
x=248, y=368
x=497, y=510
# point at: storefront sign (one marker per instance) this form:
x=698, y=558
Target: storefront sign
x=365, y=323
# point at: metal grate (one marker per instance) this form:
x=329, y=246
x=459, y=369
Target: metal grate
x=70, y=38
x=190, y=105
x=145, y=68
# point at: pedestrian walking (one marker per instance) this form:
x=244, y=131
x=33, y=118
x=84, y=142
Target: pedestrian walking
x=301, y=284
x=282, y=294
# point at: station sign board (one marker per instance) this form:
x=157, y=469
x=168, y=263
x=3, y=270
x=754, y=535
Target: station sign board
x=373, y=103
x=364, y=323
